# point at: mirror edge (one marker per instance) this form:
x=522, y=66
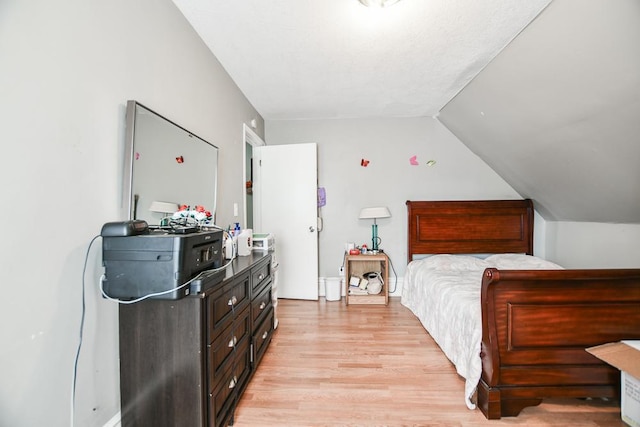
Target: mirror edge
x=127, y=182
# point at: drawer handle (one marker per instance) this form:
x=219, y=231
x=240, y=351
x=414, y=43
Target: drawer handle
x=233, y=342
x=233, y=300
x=260, y=276
x=263, y=305
x=233, y=382
x=265, y=335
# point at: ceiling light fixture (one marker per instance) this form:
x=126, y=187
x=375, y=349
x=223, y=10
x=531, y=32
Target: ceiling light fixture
x=378, y=3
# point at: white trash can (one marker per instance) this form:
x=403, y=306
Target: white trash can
x=333, y=290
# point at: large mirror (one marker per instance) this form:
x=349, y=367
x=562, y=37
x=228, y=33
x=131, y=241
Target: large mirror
x=165, y=166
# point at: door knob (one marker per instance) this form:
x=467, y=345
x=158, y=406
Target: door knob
x=311, y=229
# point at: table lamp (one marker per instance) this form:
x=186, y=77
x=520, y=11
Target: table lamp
x=375, y=213
x=165, y=208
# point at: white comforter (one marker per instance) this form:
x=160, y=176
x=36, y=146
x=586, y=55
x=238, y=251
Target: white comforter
x=443, y=291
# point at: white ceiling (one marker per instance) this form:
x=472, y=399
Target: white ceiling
x=303, y=59
x=553, y=109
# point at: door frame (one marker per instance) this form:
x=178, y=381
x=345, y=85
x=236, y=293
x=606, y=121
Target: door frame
x=253, y=139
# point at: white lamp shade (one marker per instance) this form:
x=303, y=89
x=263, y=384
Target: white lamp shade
x=373, y=213
x=163, y=207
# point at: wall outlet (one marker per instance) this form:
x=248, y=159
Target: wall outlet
x=341, y=271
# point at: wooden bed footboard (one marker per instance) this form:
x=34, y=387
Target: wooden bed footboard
x=536, y=326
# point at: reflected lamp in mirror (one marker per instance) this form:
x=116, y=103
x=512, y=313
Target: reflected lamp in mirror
x=375, y=213
x=164, y=208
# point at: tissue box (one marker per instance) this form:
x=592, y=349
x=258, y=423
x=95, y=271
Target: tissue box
x=263, y=242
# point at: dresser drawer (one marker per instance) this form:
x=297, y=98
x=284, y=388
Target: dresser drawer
x=260, y=273
x=224, y=349
x=230, y=382
x=260, y=305
x=262, y=336
x=223, y=304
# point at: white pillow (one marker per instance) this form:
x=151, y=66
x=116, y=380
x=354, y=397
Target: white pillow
x=454, y=263
x=520, y=262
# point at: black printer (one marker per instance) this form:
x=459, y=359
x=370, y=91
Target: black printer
x=159, y=263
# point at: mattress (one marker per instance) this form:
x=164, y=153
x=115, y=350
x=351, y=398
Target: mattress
x=443, y=291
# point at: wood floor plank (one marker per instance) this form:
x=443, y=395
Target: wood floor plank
x=369, y=365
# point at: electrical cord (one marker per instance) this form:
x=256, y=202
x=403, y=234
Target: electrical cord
x=144, y=297
x=202, y=274
x=77, y=358
x=395, y=275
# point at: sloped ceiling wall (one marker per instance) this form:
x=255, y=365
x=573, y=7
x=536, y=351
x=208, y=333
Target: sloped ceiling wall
x=557, y=112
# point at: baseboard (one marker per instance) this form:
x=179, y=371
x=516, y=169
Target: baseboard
x=396, y=286
x=114, y=421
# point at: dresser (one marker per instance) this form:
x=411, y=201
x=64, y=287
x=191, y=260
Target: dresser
x=187, y=362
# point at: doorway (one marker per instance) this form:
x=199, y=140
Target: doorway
x=251, y=140
x=286, y=205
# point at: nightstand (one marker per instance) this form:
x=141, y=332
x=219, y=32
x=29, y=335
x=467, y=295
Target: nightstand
x=357, y=265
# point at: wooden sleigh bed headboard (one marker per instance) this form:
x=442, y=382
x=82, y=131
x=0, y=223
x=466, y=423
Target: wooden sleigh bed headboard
x=536, y=324
x=470, y=227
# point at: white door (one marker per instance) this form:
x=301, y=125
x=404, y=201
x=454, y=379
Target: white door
x=286, y=204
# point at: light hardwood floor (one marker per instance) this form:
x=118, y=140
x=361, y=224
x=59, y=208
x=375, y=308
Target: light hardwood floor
x=332, y=365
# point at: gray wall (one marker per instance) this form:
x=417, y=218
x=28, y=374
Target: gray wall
x=593, y=244
x=556, y=112
x=67, y=70
x=389, y=179
x=556, y=115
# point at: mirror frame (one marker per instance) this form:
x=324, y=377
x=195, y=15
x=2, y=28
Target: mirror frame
x=128, y=196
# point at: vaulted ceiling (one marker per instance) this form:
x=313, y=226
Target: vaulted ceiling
x=546, y=92
x=557, y=113
x=310, y=59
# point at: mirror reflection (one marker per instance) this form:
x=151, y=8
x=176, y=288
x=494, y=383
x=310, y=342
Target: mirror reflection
x=166, y=166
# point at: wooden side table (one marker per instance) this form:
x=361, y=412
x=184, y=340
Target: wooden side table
x=358, y=265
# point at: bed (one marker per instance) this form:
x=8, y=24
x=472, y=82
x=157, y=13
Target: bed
x=518, y=335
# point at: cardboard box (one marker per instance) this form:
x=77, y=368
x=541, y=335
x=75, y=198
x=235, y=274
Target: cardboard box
x=624, y=355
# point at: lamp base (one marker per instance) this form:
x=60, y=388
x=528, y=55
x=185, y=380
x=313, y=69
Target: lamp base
x=374, y=237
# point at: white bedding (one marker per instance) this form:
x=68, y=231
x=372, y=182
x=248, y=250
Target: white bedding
x=443, y=291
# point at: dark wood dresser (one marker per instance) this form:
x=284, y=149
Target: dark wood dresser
x=187, y=362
